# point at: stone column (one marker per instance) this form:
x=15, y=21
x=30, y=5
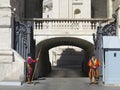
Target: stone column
x=6, y=55
x=118, y=21
x=56, y=8
x=109, y=8
x=11, y=64
x=5, y=21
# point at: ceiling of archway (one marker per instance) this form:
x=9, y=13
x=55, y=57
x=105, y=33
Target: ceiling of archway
x=50, y=43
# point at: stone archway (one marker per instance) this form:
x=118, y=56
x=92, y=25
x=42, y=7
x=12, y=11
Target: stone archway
x=44, y=66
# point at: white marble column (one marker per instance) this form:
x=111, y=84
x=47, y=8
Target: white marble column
x=11, y=64
x=5, y=23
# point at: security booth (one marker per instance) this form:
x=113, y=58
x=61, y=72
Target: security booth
x=111, y=68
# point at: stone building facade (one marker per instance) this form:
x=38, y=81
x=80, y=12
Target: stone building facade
x=72, y=9
x=12, y=65
x=97, y=9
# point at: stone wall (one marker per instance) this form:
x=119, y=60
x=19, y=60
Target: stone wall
x=94, y=8
x=12, y=67
x=24, y=8
x=18, y=7
x=33, y=8
x=99, y=8
x=15, y=6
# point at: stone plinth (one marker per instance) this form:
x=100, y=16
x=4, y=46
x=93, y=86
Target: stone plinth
x=12, y=67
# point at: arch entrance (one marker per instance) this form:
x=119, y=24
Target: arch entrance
x=42, y=50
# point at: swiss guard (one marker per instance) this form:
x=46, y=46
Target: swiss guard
x=29, y=68
x=93, y=63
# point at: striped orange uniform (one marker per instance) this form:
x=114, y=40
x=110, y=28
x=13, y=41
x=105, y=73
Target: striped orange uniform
x=93, y=64
x=29, y=67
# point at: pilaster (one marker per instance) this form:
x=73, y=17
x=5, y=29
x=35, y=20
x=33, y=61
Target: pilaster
x=109, y=8
x=5, y=23
x=118, y=21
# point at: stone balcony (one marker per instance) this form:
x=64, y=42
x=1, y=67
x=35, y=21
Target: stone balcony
x=66, y=26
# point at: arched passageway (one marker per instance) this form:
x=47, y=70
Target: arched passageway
x=44, y=65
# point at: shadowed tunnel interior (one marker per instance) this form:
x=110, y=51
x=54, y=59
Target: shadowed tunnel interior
x=43, y=47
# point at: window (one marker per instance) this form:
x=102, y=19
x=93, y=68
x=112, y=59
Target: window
x=77, y=11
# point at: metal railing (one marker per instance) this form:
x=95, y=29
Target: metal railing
x=109, y=29
x=106, y=30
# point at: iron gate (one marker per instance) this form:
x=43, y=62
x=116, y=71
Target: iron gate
x=22, y=39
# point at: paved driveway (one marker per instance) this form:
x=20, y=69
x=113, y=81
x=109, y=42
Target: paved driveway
x=62, y=79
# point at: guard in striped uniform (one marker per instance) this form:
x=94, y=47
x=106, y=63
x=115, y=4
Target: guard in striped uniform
x=93, y=64
x=29, y=68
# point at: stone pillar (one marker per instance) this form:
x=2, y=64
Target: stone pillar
x=5, y=31
x=118, y=21
x=56, y=10
x=11, y=65
x=109, y=8
x=5, y=21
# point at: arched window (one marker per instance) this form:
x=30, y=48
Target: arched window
x=77, y=13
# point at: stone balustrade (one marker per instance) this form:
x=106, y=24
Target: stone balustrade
x=66, y=24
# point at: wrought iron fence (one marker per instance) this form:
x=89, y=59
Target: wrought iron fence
x=22, y=39
x=109, y=29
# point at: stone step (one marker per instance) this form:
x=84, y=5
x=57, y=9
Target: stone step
x=10, y=83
